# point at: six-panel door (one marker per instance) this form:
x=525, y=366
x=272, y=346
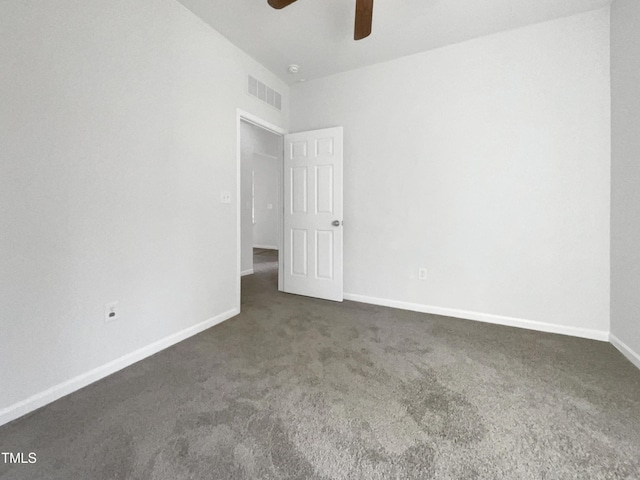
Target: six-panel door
x=313, y=235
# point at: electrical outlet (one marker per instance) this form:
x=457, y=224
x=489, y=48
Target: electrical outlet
x=225, y=197
x=111, y=312
x=422, y=273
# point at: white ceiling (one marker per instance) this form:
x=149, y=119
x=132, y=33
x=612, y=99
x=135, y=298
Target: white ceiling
x=318, y=34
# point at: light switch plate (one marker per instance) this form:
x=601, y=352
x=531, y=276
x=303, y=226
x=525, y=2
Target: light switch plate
x=422, y=274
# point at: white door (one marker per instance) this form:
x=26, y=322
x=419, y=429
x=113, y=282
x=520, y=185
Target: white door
x=313, y=213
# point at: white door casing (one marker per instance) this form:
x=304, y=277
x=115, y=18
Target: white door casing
x=313, y=232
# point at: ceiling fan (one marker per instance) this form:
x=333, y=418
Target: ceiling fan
x=364, y=15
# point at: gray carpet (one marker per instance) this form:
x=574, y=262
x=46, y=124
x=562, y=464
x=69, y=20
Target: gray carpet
x=299, y=388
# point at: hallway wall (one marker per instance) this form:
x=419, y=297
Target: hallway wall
x=254, y=142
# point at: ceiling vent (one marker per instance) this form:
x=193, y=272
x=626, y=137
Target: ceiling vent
x=266, y=94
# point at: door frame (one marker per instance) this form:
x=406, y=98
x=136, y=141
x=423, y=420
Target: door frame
x=242, y=115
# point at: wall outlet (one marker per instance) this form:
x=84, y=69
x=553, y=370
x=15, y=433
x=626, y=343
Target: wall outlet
x=422, y=274
x=225, y=197
x=111, y=312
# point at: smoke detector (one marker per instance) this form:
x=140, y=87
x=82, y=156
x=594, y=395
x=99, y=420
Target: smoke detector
x=293, y=68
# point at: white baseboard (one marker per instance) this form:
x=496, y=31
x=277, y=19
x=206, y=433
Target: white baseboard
x=483, y=317
x=633, y=356
x=246, y=272
x=65, y=388
x=266, y=247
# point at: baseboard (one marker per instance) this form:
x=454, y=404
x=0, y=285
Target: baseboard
x=65, y=388
x=266, y=247
x=246, y=272
x=483, y=317
x=626, y=350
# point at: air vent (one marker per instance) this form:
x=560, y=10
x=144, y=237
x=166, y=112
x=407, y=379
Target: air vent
x=264, y=93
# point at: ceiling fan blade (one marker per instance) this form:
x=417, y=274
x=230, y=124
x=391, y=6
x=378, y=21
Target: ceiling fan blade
x=280, y=3
x=364, y=19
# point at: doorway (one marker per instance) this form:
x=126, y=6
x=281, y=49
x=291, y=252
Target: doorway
x=260, y=198
x=308, y=202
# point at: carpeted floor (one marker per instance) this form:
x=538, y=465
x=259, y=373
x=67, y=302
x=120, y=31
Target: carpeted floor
x=299, y=388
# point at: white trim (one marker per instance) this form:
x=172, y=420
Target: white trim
x=45, y=397
x=246, y=272
x=281, y=216
x=626, y=350
x=239, y=116
x=267, y=155
x=266, y=247
x=249, y=117
x=483, y=317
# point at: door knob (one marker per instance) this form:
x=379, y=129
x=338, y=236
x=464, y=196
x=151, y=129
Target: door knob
x=336, y=223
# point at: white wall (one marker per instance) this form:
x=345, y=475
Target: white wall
x=267, y=221
x=256, y=142
x=488, y=163
x=118, y=127
x=625, y=177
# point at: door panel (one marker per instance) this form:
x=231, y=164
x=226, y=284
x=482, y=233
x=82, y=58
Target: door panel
x=298, y=190
x=324, y=189
x=299, y=256
x=313, y=203
x=324, y=254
